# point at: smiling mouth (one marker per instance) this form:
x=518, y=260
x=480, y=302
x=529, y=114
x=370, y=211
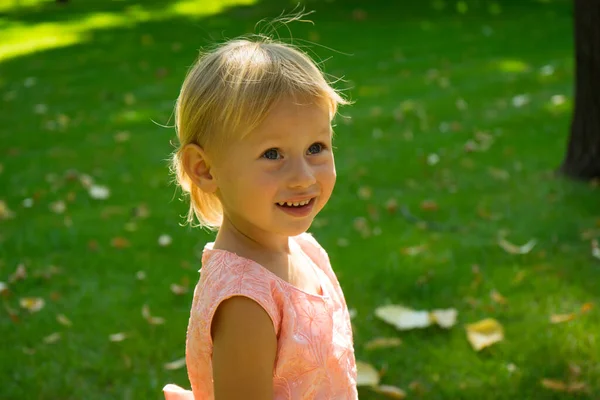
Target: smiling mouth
x=298, y=204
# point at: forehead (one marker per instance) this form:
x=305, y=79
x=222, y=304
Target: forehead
x=298, y=116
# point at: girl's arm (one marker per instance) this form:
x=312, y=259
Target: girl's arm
x=244, y=349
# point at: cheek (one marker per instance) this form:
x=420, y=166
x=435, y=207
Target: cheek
x=327, y=177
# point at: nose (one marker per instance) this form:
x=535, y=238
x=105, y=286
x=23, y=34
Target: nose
x=301, y=174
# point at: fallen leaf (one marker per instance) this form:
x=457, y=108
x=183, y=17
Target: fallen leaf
x=32, y=304
x=417, y=387
x=178, y=289
x=150, y=319
x=433, y=159
x=58, y=207
x=364, y=193
x=595, y=248
x=5, y=212
x=177, y=364
x=497, y=297
x=587, y=307
x=403, y=318
x=414, y=250
x=140, y=275
x=429, y=205
x=554, y=385
x=53, y=338
x=575, y=387
x=499, y=174
x=99, y=192
x=514, y=249
x=520, y=100
x=444, y=318
x=391, y=205
x=117, y=337
x=383, y=342
x=164, y=240
x=86, y=181
x=560, y=318
x=141, y=211
x=367, y=375
x=3, y=288
x=63, y=320
x=361, y=225
x=392, y=392
x=119, y=242
x=484, y=333
x=519, y=276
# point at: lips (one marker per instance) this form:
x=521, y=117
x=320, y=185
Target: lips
x=302, y=209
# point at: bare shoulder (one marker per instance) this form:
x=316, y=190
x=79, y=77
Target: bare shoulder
x=244, y=350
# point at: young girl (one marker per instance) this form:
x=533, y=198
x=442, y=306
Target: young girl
x=268, y=318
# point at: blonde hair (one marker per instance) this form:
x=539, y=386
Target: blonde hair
x=228, y=92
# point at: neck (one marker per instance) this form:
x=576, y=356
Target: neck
x=238, y=237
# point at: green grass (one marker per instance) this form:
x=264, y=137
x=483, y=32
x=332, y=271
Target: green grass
x=405, y=67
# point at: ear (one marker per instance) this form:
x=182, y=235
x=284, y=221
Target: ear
x=197, y=167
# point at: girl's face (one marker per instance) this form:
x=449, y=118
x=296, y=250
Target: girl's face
x=288, y=159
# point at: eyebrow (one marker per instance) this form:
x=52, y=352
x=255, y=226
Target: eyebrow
x=279, y=134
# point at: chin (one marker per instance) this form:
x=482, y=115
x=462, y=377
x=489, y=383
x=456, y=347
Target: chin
x=295, y=230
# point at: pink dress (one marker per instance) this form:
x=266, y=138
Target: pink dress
x=315, y=353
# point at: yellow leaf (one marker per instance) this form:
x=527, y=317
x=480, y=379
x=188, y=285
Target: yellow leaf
x=484, y=333
x=5, y=212
x=587, y=307
x=551, y=384
x=177, y=364
x=367, y=375
x=519, y=277
x=151, y=320
x=32, y=304
x=364, y=193
x=119, y=242
x=391, y=205
x=403, y=318
x=156, y=320
x=497, y=297
x=117, y=337
x=19, y=274
x=53, y=338
x=444, y=318
x=414, y=250
x=514, y=249
x=559, y=318
x=63, y=320
x=382, y=342
x=595, y=249
x=392, y=392
x=429, y=205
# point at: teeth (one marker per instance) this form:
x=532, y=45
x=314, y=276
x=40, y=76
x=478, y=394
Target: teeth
x=294, y=204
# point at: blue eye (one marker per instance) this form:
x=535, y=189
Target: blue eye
x=271, y=154
x=316, y=148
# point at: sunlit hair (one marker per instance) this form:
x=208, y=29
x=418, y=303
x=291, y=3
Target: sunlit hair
x=228, y=92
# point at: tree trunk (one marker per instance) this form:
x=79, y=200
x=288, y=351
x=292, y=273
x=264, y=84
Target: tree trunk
x=583, y=154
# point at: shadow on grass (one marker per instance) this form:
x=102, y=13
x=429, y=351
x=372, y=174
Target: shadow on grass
x=119, y=77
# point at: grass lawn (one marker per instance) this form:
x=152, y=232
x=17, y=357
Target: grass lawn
x=461, y=115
